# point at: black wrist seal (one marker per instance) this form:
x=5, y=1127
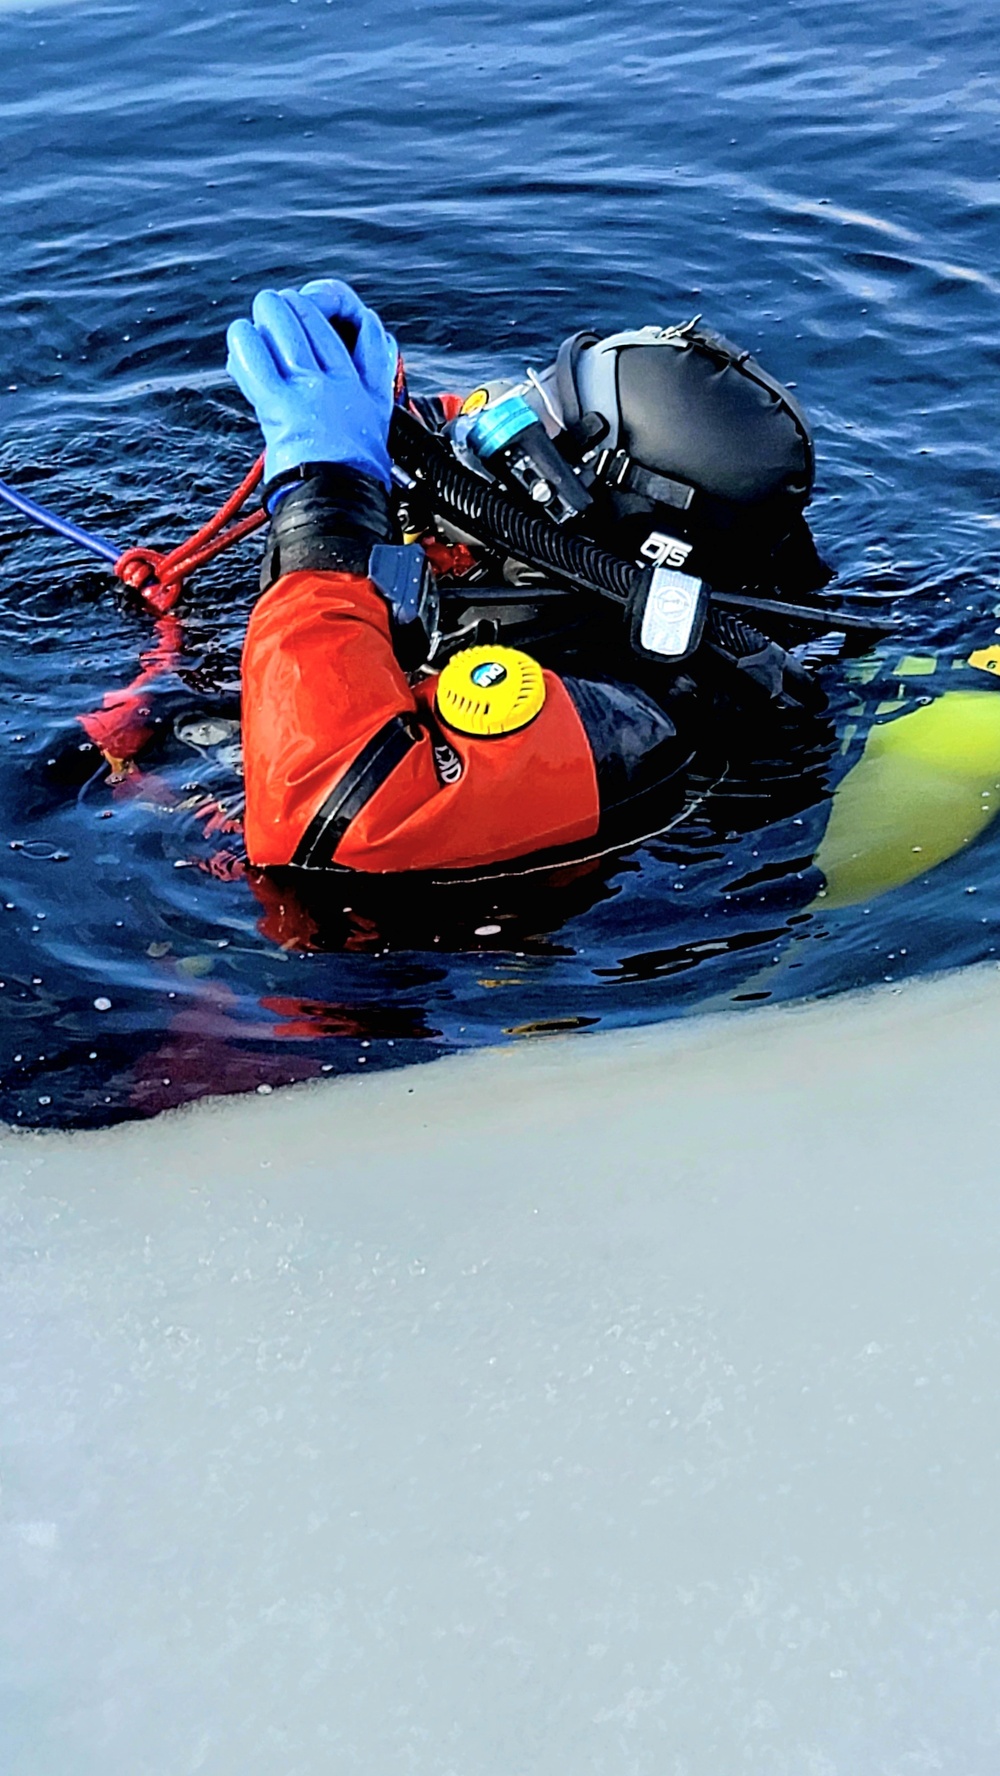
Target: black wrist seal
x=328, y=521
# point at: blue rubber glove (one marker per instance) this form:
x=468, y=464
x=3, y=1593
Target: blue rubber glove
x=317, y=399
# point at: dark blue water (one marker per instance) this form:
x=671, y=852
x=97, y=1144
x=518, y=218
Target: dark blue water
x=821, y=181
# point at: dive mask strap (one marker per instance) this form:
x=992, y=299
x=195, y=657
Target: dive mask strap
x=584, y=428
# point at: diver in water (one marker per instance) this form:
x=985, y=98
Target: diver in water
x=421, y=695
x=361, y=752
x=524, y=738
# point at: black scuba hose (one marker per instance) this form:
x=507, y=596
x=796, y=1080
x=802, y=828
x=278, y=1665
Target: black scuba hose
x=483, y=509
x=733, y=635
x=487, y=512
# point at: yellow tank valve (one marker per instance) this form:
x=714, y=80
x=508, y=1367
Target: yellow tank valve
x=490, y=690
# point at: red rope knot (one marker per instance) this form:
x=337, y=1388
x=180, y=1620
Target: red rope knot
x=147, y=572
x=159, y=579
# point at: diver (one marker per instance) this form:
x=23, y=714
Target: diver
x=360, y=752
x=435, y=680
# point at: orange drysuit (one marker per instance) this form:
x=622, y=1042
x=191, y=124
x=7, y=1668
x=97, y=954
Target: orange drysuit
x=346, y=762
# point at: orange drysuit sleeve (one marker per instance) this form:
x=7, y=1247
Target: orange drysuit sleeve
x=346, y=762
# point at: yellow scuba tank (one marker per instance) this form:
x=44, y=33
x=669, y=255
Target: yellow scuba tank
x=926, y=784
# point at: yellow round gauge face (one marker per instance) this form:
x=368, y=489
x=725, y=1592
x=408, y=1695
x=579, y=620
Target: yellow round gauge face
x=490, y=690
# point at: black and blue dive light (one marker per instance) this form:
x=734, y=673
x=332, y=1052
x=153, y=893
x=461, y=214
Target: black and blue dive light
x=510, y=440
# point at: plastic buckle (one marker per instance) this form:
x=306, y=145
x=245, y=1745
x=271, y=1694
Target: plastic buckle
x=612, y=466
x=403, y=575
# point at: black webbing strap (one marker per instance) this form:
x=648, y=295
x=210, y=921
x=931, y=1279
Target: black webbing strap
x=373, y=765
x=618, y=470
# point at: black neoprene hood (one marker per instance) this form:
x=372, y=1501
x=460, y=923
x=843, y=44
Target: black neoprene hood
x=712, y=422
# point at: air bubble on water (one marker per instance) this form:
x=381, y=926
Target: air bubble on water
x=102, y=1004
x=263, y=1091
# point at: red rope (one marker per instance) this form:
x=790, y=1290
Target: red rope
x=159, y=578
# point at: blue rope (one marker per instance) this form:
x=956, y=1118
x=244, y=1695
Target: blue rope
x=62, y=526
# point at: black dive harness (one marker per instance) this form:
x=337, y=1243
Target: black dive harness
x=668, y=613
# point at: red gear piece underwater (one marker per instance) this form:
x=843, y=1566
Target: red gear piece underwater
x=321, y=682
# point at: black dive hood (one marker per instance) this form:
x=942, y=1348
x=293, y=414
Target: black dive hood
x=677, y=425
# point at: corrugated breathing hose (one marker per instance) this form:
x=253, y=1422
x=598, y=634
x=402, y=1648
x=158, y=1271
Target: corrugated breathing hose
x=482, y=508
x=488, y=513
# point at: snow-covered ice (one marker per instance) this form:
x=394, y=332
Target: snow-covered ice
x=620, y=1405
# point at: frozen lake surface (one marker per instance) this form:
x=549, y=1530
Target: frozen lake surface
x=617, y=1404
x=819, y=181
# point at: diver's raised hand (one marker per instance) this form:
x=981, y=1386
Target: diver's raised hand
x=373, y=350
x=319, y=375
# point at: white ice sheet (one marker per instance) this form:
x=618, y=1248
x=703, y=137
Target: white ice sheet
x=619, y=1405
